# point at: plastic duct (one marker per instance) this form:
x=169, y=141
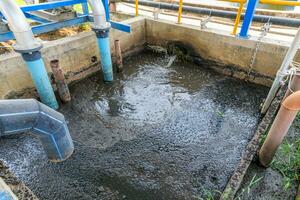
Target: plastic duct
x=18, y=116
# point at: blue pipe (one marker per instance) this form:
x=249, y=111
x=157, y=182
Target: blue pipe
x=248, y=18
x=19, y=116
x=104, y=47
x=5, y=195
x=106, y=6
x=36, y=68
x=85, y=8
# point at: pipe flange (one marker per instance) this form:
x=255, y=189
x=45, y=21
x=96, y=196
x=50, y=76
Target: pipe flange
x=36, y=47
x=31, y=56
x=102, y=32
x=107, y=26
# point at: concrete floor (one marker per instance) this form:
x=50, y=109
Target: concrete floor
x=155, y=133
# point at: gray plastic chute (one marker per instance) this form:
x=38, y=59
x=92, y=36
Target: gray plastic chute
x=18, y=116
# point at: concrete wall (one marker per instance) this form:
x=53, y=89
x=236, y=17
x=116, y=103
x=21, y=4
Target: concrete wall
x=224, y=49
x=228, y=54
x=74, y=53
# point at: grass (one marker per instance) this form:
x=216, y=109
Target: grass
x=287, y=158
x=287, y=162
x=246, y=190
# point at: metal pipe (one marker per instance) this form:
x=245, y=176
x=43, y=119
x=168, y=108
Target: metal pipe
x=19, y=116
x=136, y=8
x=60, y=81
x=113, y=6
x=101, y=28
x=234, y=1
x=220, y=13
x=119, y=59
x=106, y=8
x=251, y=7
x=281, y=3
x=238, y=18
x=279, y=128
x=180, y=11
x=283, y=68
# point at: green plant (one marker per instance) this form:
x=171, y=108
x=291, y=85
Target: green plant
x=248, y=188
x=287, y=162
x=220, y=113
x=210, y=194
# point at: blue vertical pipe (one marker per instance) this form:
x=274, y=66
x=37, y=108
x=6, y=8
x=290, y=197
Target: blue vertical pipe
x=248, y=18
x=106, y=7
x=36, y=68
x=104, y=47
x=85, y=8
x=5, y=194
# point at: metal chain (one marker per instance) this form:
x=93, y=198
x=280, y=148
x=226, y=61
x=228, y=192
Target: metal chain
x=203, y=22
x=264, y=31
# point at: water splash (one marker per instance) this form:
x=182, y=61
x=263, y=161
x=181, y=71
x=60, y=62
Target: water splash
x=171, y=61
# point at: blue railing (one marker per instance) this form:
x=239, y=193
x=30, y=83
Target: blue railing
x=47, y=26
x=251, y=7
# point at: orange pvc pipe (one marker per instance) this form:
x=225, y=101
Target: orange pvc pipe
x=279, y=128
x=292, y=102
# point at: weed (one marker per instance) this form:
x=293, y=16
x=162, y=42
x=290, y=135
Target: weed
x=248, y=188
x=220, y=113
x=287, y=162
x=210, y=194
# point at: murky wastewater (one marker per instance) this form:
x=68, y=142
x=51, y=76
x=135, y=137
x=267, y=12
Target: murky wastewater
x=157, y=132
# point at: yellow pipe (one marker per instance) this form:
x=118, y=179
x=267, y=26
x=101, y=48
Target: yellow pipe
x=234, y=1
x=282, y=3
x=180, y=11
x=238, y=18
x=136, y=8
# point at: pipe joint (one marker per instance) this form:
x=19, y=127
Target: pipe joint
x=105, y=27
x=19, y=116
x=102, y=33
x=32, y=56
x=35, y=46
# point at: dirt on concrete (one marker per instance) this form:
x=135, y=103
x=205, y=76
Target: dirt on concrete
x=156, y=132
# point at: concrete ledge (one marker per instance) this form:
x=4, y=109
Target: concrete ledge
x=12, y=186
x=76, y=54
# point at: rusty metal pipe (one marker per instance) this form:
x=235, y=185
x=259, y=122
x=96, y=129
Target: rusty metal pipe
x=279, y=128
x=60, y=81
x=119, y=59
